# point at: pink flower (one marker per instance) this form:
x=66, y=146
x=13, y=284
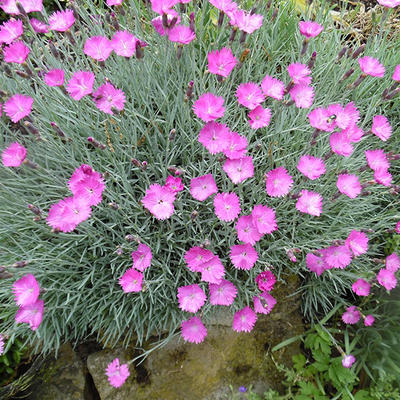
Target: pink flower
x=80, y=84
x=397, y=228
x=249, y=95
x=348, y=361
x=142, y=257
x=163, y=6
x=349, y=185
x=351, y=315
x=181, y=34
x=224, y=5
x=203, y=187
x=248, y=22
x=246, y=230
x=11, y=30
x=9, y=7
x=396, y=73
x=114, y=2
x=392, y=262
x=383, y=177
x=357, y=242
x=311, y=167
x=371, y=66
x=239, y=170
x=302, y=95
x=243, y=256
x=31, y=314
x=259, y=117
x=124, y=43
x=227, y=206
x=215, y=137
x=26, y=290
x=196, y=257
x=237, y=146
x=266, y=281
x=369, y=320
x=319, y=118
x=340, y=144
x=61, y=21
x=212, y=270
x=191, y=298
x=222, y=294
x=209, y=107
x=337, y=256
x=80, y=175
x=68, y=213
x=107, y=98
x=273, y=87
x=174, y=184
x=361, y=287
x=1, y=344
x=389, y=3
x=14, y=155
x=18, y=107
x=387, y=279
x=279, y=182
x=158, y=24
x=38, y=26
x=354, y=133
x=264, y=303
x=55, y=77
x=345, y=117
x=315, y=264
x=310, y=203
x=117, y=373
x=381, y=127
x=98, y=47
x=376, y=159
x=131, y=281
x=299, y=73
x=193, y=330
x=159, y=201
x=221, y=62
x=90, y=189
x=263, y=218
x=310, y=29
x=244, y=320
x=32, y=5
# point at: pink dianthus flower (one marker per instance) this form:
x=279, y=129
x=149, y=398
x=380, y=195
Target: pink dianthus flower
x=191, y=298
x=392, y=262
x=371, y=66
x=163, y=6
x=117, y=373
x=244, y=320
x=315, y=264
x=387, y=279
x=240, y=169
x=214, y=137
x=14, y=155
x=222, y=294
x=311, y=167
x=159, y=201
x=310, y=203
x=107, y=98
x=383, y=177
x=248, y=22
x=247, y=232
x=26, y=290
x=299, y=73
x=302, y=95
x=124, y=43
x=31, y=314
x=196, y=257
x=131, y=281
x=361, y=287
x=337, y=256
x=61, y=21
x=369, y=320
x=357, y=242
x=98, y=47
x=158, y=24
x=212, y=270
x=203, y=187
x=264, y=219
x=349, y=185
x=249, y=95
x=348, y=361
x=38, y=26
x=181, y=34
x=381, y=127
x=80, y=84
x=377, y=160
x=18, y=107
x=142, y=257
x=193, y=330
x=221, y=62
x=340, y=144
x=396, y=73
x=279, y=182
x=209, y=107
x=310, y=28
x=227, y=206
x=237, y=146
x=259, y=117
x=351, y=315
x=11, y=30
x=264, y=303
x=273, y=87
x=243, y=256
x=174, y=183
x=54, y=77
x=89, y=188
x=266, y=281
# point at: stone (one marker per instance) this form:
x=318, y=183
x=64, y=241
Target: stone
x=61, y=378
x=182, y=371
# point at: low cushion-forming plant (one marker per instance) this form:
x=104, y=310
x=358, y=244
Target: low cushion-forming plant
x=181, y=157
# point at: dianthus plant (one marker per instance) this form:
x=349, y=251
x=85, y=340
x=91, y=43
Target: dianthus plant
x=157, y=159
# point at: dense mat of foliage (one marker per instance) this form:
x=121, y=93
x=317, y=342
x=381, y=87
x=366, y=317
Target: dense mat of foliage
x=155, y=135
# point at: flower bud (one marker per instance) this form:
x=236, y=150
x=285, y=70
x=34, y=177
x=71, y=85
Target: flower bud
x=358, y=52
x=95, y=143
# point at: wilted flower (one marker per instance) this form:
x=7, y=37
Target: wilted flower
x=209, y=107
x=222, y=294
x=371, y=66
x=31, y=314
x=191, y=298
x=61, y=20
x=249, y=95
x=351, y=315
x=14, y=155
x=244, y=320
x=227, y=206
x=221, y=62
x=203, y=187
x=18, y=107
x=107, y=97
x=117, y=373
x=279, y=182
x=193, y=330
x=310, y=28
